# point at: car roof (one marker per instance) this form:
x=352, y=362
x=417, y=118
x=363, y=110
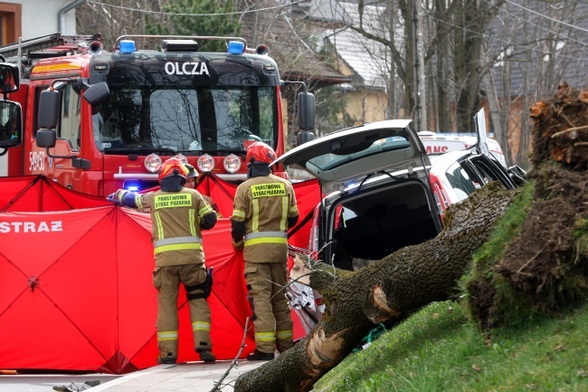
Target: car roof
x=443, y=161
x=356, y=152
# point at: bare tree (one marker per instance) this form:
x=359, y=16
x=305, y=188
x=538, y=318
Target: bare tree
x=113, y=18
x=453, y=42
x=534, y=45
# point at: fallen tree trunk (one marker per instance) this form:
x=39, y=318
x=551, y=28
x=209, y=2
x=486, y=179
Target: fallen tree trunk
x=401, y=282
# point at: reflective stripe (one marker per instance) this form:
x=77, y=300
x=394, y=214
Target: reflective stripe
x=239, y=214
x=138, y=201
x=261, y=234
x=192, y=219
x=205, y=210
x=265, y=337
x=158, y=225
x=167, y=335
x=177, y=240
x=177, y=243
x=183, y=246
x=284, y=335
x=284, y=218
x=200, y=326
x=266, y=240
x=255, y=216
x=266, y=237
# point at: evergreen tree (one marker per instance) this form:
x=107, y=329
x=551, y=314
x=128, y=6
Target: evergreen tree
x=198, y=17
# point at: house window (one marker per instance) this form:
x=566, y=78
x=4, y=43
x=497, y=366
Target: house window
x=10, y=22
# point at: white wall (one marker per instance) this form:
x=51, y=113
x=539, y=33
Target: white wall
x=3, y=168
x=41, y=17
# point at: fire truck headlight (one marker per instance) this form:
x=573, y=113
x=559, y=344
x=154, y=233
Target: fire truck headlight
x=182, y=158
x=152, y=163
x=236, y=47
x=205, y=163
x=232, y=163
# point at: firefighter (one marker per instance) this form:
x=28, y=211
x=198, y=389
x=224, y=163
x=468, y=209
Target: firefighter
x=191, y=183
x=178, y=214
x=191, y=176
x=264, y=209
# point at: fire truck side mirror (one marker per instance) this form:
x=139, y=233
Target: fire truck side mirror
x=49, y=101
x=96, y=93
x=306, y=111
x=10, y=124
x=46, y=138
x=9, y=77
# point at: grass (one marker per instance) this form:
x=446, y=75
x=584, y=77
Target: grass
x=439, y=349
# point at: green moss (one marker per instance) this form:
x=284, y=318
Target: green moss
x=508, y=306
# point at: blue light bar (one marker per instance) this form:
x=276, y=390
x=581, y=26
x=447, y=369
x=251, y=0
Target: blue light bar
x=127, y=46
x=133, y=185
x=236, y=47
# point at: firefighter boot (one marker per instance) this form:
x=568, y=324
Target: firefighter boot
x=260, y=356
x=167, y=359
x=206, y=355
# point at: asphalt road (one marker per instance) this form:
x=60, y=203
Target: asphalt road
x=46, y=382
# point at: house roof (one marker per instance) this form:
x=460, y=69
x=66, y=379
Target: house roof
x=288, y=46
x=368, y=59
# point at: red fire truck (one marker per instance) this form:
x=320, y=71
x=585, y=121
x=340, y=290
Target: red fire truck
x=97, y=120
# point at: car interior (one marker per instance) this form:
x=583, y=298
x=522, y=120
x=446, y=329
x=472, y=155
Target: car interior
x=372, y=224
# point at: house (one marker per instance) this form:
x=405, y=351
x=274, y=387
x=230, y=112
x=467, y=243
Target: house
x=28, y=19
x=365, y=62
x=34, y=18
x=297, y=59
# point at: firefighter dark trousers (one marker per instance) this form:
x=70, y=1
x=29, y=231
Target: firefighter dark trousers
x=167, y=281
x=271, y=313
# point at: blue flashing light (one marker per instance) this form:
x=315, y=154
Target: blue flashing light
x=127, y=46
x=236, y=47
x=133, y=185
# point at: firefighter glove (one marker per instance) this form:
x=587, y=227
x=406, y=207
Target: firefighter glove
x=117, y=196
x=238, y=245
x=112, y=197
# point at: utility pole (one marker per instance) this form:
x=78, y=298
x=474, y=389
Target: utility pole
x=421, y=97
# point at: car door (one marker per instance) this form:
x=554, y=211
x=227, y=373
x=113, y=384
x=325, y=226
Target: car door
x=350, y=155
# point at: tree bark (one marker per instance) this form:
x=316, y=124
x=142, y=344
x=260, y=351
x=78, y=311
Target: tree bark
x=386, y=290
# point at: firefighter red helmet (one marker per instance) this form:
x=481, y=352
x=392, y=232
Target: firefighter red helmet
x=260, y=152
x=173, y=167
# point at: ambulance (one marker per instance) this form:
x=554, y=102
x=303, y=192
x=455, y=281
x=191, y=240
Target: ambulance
x=440, y=143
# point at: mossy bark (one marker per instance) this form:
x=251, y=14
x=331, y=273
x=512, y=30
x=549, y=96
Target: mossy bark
x=383, y=291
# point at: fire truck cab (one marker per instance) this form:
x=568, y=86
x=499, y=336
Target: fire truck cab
x=96, y=121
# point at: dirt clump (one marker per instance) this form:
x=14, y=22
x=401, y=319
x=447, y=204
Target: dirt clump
x=544, y=262
x=547, y=263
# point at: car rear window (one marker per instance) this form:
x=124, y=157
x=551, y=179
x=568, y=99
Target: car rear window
x=330, y=161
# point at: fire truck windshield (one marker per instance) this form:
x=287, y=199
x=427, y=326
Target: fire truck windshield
x=186, y=119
